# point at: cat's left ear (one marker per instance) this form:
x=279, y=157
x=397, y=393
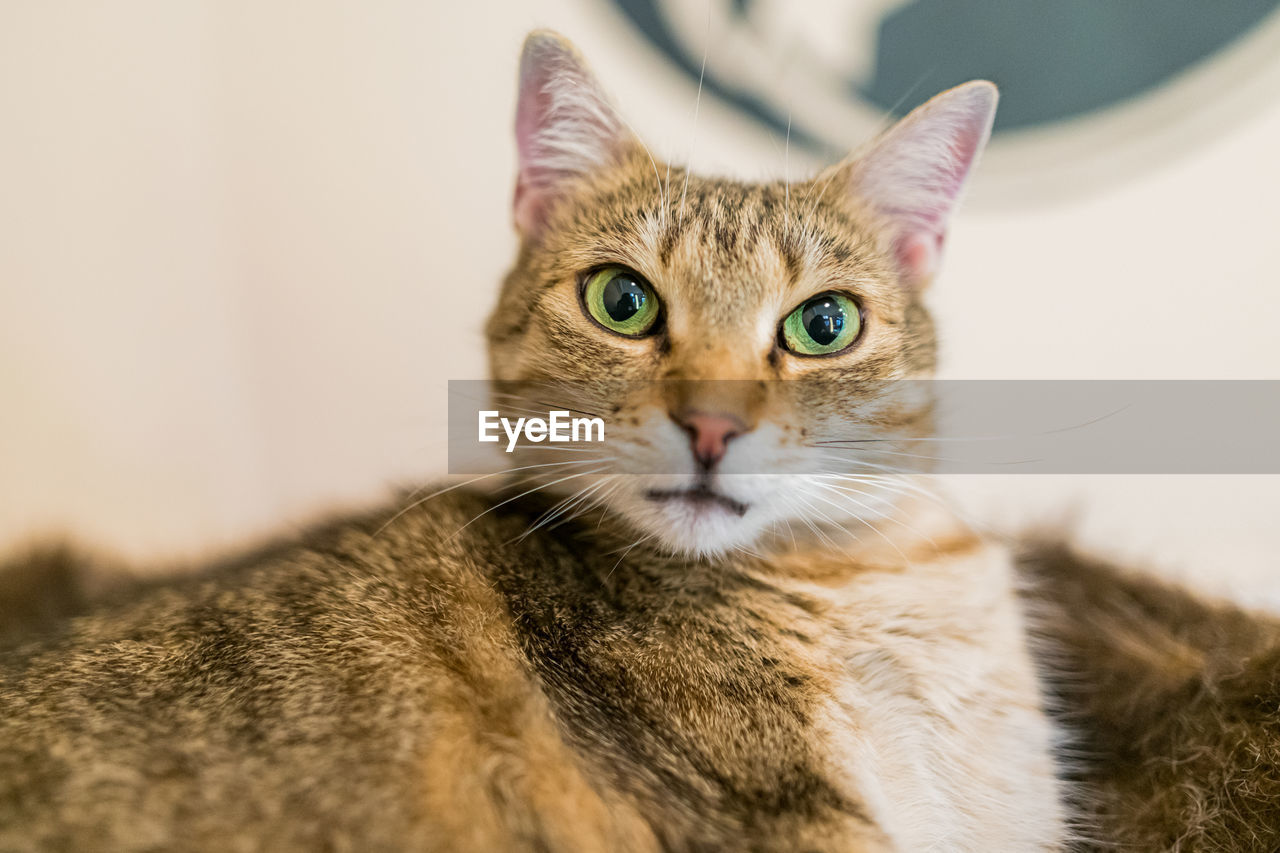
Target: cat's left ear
x=566, y=127
x=913, y=175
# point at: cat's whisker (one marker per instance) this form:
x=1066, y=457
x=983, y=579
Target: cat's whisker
x=417, y=503
x=519, y=389
x=858, y=456
x=834, y=172
x=909, y=486
x=652, y=161
x=507, y=407
x=935, y=458
x=876, y=514
x=554, y=512
x=897, y=483
x=786, y=177
x=818, y=480
x=639, y=541
x=914, y=438
x=606, y=502
x=891, y=470
x=792, y=532
x=530, y=477
x=545, y=406
x=525, y=479
x=666, y=197
x=1002, y=437
x=892, y=485
x=826, y=184
x=523, y=494
x=562, y=508
x=869, y=468
x=848, y=491
x=810, y=509
x=586, y=504
x=887, y=119
x=697, y=104
x=902, y=480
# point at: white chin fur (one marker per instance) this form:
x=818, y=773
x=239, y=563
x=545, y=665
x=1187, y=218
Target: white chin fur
x=698, y=529
x=781, y=502
x=705, y=528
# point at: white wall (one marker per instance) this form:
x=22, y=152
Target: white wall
x=243, y=245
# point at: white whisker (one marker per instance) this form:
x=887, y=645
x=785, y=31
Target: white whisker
x=697, y=104
x=865, y=521
x=522, y=494
x=438, y=493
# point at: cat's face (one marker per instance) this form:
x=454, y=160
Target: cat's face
x=730, y=334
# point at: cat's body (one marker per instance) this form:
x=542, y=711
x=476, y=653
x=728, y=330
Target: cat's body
x=736, y=626
x=400, y=687
x=745, y=633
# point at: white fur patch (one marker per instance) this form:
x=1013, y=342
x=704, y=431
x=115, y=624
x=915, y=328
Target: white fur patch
x=936, y=724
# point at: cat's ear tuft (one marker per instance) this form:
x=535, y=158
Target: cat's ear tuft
x=913, y=175
x=565, y=126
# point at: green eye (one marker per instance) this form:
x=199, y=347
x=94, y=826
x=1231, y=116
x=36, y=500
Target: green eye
x=825, y=324
x=621, y=301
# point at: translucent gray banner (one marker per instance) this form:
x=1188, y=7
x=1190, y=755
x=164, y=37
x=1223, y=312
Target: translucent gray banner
x=939, y=426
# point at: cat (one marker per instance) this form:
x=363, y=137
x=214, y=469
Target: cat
x=691, y=657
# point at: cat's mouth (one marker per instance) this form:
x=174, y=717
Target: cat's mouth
x=700, y=494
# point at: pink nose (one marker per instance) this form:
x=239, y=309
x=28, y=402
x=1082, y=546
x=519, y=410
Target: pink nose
x=709, y=435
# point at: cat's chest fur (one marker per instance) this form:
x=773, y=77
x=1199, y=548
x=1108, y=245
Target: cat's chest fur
x=888, y=707
x=934, y=716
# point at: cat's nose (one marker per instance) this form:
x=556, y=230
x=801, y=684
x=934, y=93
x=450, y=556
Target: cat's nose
x=709, y=435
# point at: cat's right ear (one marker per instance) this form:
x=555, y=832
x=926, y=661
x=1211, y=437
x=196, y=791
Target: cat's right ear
x=565, y=127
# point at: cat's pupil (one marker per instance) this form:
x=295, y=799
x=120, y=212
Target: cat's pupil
x=623, y=297
x=823, y=319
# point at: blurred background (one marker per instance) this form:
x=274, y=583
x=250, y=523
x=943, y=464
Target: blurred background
x=244, y=245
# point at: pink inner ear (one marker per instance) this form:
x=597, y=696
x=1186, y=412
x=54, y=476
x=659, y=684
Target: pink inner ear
x=529, y=207
x=919, y=249
x=914, y=174
x=533, y=108
x=943, y=179
x=917, y=254
x=965, y=143
x=529, y=204
x=565, y=127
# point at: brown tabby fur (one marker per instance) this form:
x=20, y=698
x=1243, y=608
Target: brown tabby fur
x=443, y=676
x=1173, y=702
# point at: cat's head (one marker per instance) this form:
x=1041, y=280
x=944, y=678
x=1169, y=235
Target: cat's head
x=731, y=334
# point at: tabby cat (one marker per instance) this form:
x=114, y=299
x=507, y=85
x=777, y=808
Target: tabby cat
x=691, y=656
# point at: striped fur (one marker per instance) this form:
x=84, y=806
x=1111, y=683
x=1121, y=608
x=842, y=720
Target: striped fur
x=451, y=676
